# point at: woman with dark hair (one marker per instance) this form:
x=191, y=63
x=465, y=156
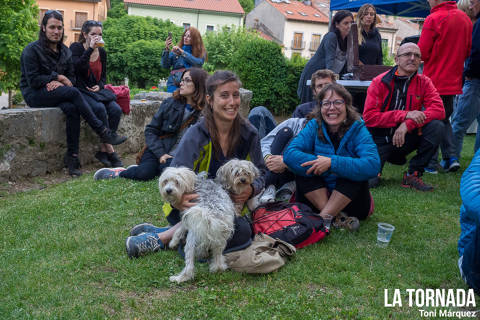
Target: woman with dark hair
x=333, y=157
x=369, y=38
x=221, y=135
x=331, y=54
x=189, y=52
x=90, y=62
x=175, y=115
x=47, y=81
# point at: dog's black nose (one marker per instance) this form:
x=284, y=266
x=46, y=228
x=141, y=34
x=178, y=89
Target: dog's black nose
x=168, y=191
x=243, y=180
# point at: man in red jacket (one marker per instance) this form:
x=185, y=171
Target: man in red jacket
x=445, y=44
x=403, y=112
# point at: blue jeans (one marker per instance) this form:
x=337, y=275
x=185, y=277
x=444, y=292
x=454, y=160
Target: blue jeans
x=263, y=120
x=467, y=110
x=109, y=113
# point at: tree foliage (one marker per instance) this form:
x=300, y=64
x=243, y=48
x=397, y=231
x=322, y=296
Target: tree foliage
x=247, y=5
x=117, y=9
x=260, y=64
x=18, y=27
x=129, y=44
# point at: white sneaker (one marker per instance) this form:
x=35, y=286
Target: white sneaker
x=268, y=195
x=286, y=191
x=132, y=166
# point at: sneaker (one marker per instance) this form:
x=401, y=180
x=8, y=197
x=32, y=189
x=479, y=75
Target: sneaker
x=103, y=158
x=73, y=165
x=112, y=138
x=132, y=166
x=114, y=160
x=450, y=165
x=107, y=173
x=415, y=181
x=146, y=228
x=286, y=191
x=268, y=195
x=343, y=221
x=143, y=244
x=431, y=170
x=374, y=182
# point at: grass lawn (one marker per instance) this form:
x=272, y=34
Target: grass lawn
x=62, y=255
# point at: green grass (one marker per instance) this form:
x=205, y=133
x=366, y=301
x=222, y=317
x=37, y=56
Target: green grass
x=62, y=256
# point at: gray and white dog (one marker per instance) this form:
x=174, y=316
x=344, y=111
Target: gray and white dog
x=207, y=225
x=236, y=175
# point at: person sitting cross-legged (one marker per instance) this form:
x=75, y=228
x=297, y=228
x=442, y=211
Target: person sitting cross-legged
x=333, y=157
x=403, y=112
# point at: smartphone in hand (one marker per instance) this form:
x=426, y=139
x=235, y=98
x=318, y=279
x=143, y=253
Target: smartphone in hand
x=169, y=35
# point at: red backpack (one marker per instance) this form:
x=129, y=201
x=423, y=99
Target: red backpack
x=294, y=223
x=123, y=96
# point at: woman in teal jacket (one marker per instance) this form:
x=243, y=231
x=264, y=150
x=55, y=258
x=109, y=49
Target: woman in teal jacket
x=333, y=157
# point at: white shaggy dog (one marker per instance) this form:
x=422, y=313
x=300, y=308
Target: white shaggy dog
x=235, y=176
x=207, y=225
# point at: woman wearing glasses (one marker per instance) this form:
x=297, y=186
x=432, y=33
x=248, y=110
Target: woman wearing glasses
x=369, y=38
x=90, y=61
x=189, y=52
x=175, y=115
x=331, y=54
x=47, y=81
x=333, y=157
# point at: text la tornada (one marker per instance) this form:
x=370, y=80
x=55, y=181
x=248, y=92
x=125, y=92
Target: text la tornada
x=437, y=298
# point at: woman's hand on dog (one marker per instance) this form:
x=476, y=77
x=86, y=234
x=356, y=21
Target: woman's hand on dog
x=188, y=201
x=242, y=197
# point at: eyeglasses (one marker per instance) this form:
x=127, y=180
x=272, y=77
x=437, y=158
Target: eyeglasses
x=93, y=23
x=52, y=11
x=409, y=54
x=186, y=80
x=336, y=103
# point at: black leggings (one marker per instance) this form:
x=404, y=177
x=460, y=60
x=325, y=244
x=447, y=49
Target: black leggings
x=357, y=191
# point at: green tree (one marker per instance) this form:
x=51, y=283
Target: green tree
x=117, y=9
x=144, y=62
x=18, y=27
x=123, y=34
x=247, y=5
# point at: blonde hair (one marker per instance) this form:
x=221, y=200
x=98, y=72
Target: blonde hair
x=464, y=5
x=361, y=13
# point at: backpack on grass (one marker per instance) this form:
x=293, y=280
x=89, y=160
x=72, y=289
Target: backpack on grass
x=294, y=223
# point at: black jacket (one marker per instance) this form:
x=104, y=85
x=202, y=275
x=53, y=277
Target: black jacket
x=370, y=52
x=81, y=62
x=472, y=65
x=166, y=121
x=40, y=65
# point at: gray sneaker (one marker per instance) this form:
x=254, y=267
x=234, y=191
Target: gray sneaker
x=107, y=173
x=143, y=244
x=146, y=228
x=286, y=191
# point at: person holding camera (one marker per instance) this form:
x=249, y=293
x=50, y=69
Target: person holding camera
x=189, y=52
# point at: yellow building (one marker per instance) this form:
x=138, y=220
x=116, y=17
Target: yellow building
x=75, y=13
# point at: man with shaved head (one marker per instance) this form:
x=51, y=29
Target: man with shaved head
x=403, y=112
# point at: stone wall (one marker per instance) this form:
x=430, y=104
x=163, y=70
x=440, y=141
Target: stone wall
x=33, y=141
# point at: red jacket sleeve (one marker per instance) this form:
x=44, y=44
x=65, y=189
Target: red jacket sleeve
x=427, y=39
x=372, y=115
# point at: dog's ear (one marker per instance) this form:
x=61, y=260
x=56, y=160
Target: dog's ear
x=221, y=175
x=253, y=168
x=188, y=179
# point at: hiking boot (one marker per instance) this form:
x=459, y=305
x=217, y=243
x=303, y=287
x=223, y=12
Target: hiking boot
x=107, y=173
x=103, y=158
x=415, y=181
x=286, y=192
x=73, y=165
x=112, y=138
x=146, y=228
x=343, y=221
x=143, y=244
x=268, y=195
x=114, y=159
x=450, y=165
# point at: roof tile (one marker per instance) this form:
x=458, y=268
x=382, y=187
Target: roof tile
x=296, y=10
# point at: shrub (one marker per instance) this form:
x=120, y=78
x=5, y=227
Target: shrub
x=122, y=33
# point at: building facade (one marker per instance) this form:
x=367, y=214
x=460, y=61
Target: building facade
x=210, y=15
x=75, y=13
